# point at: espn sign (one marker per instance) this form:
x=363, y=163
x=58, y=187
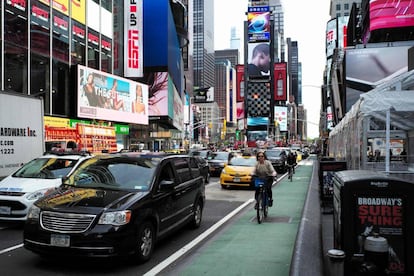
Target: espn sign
x=133, y=64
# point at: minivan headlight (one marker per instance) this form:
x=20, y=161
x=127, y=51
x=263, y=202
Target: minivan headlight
x=33, y=213
x=115, y=218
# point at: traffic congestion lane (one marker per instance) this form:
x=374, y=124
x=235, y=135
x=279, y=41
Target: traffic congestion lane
x=17, y=261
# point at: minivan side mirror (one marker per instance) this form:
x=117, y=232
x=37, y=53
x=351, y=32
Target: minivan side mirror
x=166, y=184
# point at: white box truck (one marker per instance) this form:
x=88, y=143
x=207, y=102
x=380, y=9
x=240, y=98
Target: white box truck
x=21, y=131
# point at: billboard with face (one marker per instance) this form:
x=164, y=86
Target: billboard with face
x=258, y=60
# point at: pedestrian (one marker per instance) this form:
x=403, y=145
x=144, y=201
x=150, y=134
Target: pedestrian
x=264, y=169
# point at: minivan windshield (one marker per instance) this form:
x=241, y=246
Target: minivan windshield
x=118, y=174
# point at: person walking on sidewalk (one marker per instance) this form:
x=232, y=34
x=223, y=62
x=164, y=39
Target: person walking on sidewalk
x=264, y=169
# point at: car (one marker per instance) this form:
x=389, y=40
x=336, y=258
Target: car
x=217, y=160
x=238, y=172
x=202, y=153
x=117, y=205
x=278, y=158
x=35, y=179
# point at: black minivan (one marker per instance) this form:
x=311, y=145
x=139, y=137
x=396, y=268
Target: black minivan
x=117, y=205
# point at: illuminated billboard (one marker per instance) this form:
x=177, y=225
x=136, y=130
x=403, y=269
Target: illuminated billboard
x=281, y=117
x=384, y=14
x=280, y=92
x=240, y=82
x=258, y=60
x=133, y=23
x=258, y=22
x=368, y=67
x=104, y=96
x=257, y=121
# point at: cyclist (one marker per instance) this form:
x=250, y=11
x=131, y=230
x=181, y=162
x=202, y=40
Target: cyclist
x=264, y=169
x=291, y=162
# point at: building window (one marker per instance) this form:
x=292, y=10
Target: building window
x=346, y=6
x=338, y=7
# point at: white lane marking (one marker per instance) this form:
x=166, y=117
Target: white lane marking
x=10, y=248
x=161, y=266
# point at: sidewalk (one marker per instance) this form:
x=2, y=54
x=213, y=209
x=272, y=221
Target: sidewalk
x=270, y=248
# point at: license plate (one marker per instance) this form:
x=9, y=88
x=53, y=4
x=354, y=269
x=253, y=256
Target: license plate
x=236, y=179
x=5, y=210
x=60, y=240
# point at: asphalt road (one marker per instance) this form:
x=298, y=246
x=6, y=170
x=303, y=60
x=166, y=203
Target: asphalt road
x=15, y=260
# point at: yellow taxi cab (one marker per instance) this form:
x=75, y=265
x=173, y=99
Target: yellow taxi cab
x=298, y=155
x=238, y=172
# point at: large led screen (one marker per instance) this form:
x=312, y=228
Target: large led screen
x=367, y=68
x=280, y=93
x=258, y=60
x=107, y=97
x=240, y=82
x=258, y=20
x=281, y=117
x=257, y=121
x=256, y=135
x=385, y=14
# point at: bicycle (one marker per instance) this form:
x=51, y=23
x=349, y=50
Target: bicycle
x=262, y=200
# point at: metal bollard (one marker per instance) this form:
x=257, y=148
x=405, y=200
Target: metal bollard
x=337, y=259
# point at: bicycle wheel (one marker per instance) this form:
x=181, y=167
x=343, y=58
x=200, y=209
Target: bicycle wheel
x=260, y=212
x=265, y=204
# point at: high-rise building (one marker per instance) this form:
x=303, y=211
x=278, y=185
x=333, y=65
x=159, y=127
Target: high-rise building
x=226, y=61
x=203, y=41
x=293, y=70
x=342, y=7
x=277, y=16
x=234, y=38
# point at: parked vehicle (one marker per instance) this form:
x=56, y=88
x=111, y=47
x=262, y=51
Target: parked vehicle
x=117, y=205
x=278, y=158
x=217, y=160
x=238, y=172
x=35, y=179
x=22, y=131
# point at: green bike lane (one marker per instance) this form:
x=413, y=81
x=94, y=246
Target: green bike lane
x=249, y=248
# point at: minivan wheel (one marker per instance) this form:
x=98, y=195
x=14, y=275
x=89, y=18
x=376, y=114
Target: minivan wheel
x=197, y=215
x=145, y=242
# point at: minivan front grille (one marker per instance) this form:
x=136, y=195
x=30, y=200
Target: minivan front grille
x=65, y=222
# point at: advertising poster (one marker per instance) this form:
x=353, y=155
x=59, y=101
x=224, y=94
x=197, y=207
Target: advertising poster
x=133, y=23
x=240, y=110
x=280, y=93
x=240, y=82
x=108, y=97
x=383, y=215
x=281, y=117
x=258, y=60
x=258, y=20
x=384, y=14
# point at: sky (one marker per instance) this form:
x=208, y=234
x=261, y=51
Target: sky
x=305, y=22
